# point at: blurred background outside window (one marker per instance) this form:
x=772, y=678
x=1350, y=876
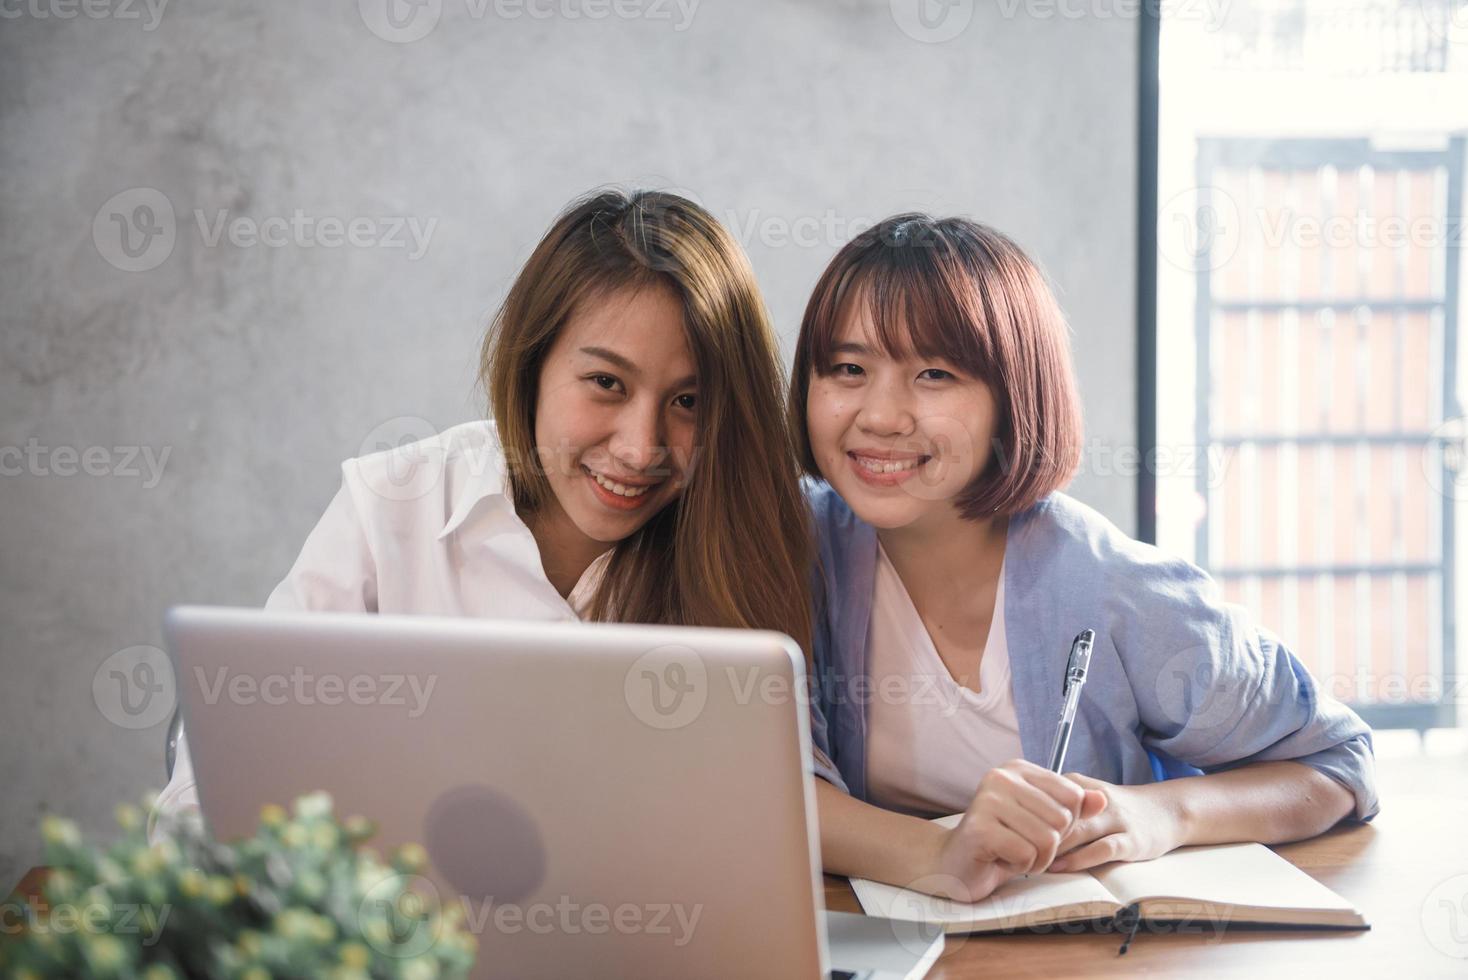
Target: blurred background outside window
x=1310, y=296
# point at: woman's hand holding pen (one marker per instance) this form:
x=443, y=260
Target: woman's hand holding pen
x=1015, y=825
x=1138, y=824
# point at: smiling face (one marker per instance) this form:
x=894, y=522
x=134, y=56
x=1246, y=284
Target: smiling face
x=616, y=412
x=897, y=437
x=932, y=376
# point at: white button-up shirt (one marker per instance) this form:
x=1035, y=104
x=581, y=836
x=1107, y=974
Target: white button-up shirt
x=430, y=529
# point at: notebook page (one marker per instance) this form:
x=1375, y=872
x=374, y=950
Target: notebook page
x=1034, y=900
x=1227, y=874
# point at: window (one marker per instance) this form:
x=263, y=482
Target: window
x=1310, y=222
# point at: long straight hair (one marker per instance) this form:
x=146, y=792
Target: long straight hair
x=734, y=548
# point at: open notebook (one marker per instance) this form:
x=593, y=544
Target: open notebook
x=1233, y=883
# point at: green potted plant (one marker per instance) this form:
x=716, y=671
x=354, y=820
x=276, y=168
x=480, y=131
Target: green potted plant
x=303, y=898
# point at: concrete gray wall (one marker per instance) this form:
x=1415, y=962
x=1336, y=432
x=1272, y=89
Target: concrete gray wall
x=257, y=367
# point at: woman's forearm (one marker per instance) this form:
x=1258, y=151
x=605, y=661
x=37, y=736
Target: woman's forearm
x=1268, y=802
x=866, y=841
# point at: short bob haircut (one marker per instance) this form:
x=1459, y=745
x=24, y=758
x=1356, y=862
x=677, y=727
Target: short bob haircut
x=955, y=289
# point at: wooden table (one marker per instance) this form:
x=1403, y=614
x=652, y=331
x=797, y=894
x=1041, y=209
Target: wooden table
x=1414, y=853
x=1399, y=870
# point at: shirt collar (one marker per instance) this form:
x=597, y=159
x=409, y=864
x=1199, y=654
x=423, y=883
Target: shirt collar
x=474, y=468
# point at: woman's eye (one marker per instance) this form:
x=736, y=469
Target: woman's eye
x=686, y=402
x=605, y=381
x=936, y=374
x=847, y=370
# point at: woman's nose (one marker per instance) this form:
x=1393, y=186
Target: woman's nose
x=885, y=413
x=637, y=444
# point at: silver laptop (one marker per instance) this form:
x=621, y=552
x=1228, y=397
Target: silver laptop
x=626, y=800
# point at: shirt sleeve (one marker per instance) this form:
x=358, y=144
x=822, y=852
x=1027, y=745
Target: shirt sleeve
x=1216, y=691
x=334, y=572
x=179, y=795
x=821, y=763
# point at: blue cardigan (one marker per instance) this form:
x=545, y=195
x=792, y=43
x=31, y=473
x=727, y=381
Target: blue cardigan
x=1180, y=682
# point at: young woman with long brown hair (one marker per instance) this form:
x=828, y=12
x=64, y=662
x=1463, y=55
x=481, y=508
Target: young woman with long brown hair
x=637, y=439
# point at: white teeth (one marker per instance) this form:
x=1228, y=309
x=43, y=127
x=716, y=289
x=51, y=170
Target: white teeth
x=620, y=489
x=879, y=466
